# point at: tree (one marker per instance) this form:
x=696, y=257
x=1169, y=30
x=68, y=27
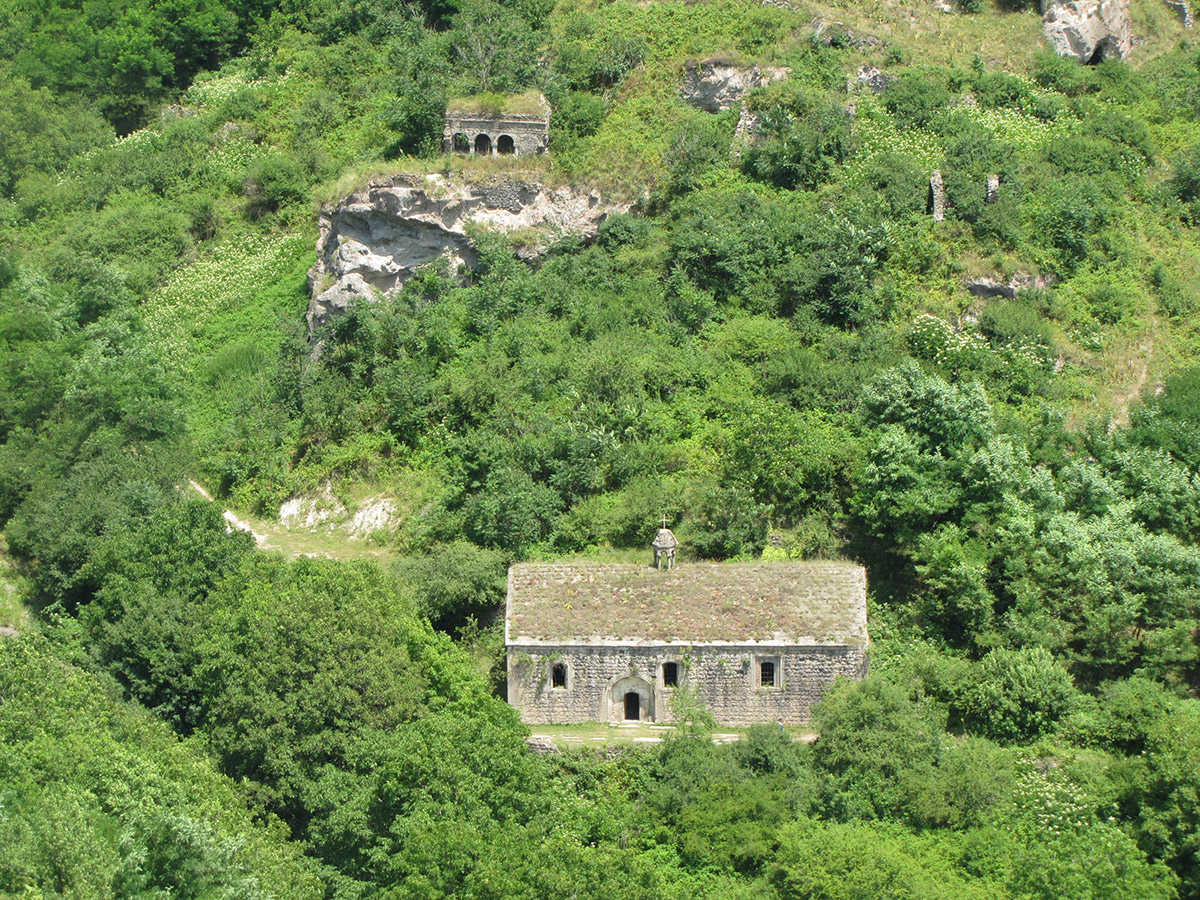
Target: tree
x=300, y=662
x=153, y=579
x=803, y=139
x=456, y=582
x=876, y=748
x=496, y=45
x=1017, y=695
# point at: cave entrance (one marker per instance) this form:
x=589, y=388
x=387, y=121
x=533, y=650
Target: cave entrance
x=483, y=145
x=505, y=146
x=633, y=707
x=460, y=143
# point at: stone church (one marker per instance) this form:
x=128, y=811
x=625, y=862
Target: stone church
x=759, y=641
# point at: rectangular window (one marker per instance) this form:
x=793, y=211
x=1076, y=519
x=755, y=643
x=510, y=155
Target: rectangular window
x=558, y=675
x=768, y=673
x=670, y=674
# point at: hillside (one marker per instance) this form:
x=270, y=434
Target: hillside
x=890, y=282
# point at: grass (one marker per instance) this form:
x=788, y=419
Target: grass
x=325, y=543
x=237, y=292
x=530, y=103
x=13, y=614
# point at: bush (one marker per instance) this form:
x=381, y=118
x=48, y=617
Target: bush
x=457, y=581
x=726, y=522
x=1013, y=323
x=576, y=115
x=695, y=147
x=898, y=183
x=916, y=98
x=273, y=183
x=1017, y=695
x=802, y=141
x=1059, y=74
x=1184, y=183
x=995, y=89
x=1068, y=213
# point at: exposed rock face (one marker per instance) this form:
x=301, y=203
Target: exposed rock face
x=374, y=240
x=325, y=512
x=1089, y=30
x=375, y=514
x=870, y=78
x=312, y=513
x=988, y=287
x=837, y=34
x=715, y=86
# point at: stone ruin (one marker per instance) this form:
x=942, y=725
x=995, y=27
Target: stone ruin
x=1183, y=10
x=477, y=131
x=756, y=642
x=936, y=205
x=937, y=196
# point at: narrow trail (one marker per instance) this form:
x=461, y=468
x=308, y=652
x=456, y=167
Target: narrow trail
x=1123, y=399
x=231, y=518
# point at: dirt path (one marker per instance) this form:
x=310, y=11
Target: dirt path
x=231, y=518
x=1123, y=399
x=13, y=615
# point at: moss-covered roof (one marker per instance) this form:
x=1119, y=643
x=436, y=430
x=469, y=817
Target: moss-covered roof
x=793, y=602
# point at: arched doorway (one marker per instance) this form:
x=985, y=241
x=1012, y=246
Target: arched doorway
x=483, y=145
x=631, y=699
x=460, y=143
x=505, y=146
x=633, y=707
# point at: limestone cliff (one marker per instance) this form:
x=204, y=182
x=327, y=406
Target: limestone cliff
x=373, y=240
x=1088, y=30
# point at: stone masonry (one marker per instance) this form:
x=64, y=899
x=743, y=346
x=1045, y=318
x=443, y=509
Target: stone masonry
x=479, y=134
x=727, y=678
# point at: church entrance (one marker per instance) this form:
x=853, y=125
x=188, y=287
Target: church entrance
x=630, y=699
x=633, y=707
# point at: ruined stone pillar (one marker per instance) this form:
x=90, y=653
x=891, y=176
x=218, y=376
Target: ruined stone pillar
x=937, y=196
x=992, y=190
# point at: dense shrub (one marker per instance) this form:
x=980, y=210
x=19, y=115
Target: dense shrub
x=916, y=98
x=1017, y=695
x=803, y=138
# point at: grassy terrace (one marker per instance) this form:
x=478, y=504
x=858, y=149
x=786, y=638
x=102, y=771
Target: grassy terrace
x=530, y=103
x=589, y=734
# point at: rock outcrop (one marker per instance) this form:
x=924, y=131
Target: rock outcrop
x=869, y=78
x=324, y=512
x=1088, y=30
x=988, y=287
x=715, y=86
x=374, y=240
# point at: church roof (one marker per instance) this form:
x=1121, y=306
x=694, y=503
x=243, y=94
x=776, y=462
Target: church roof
x=779, y=602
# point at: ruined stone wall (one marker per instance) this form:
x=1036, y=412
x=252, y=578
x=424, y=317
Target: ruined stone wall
x=529, y=133
x=727, y=679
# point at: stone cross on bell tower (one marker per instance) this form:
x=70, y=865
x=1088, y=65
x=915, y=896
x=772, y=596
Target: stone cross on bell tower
x=664, y=547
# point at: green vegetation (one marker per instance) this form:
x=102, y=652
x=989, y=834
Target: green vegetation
x=777, y=349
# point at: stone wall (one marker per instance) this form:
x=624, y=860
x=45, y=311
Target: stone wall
x=727, y=679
